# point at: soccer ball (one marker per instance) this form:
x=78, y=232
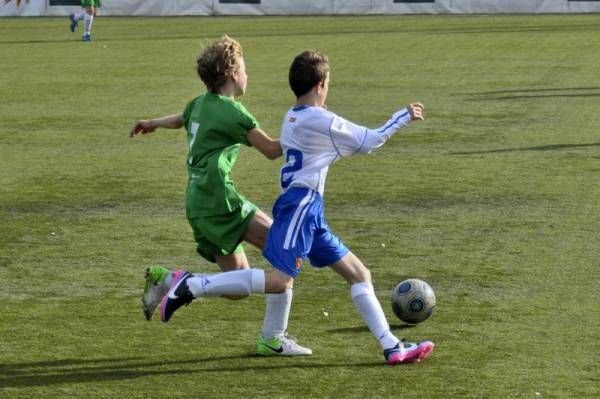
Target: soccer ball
x=413, y=301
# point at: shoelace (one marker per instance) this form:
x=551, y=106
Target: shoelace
x=290, y=337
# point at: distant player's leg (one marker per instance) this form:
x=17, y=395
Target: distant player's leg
x=363, y=296
x=88, y=20
x=74, y=20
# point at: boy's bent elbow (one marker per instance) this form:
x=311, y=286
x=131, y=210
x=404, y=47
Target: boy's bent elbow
x=274, y=152
x=274, y=155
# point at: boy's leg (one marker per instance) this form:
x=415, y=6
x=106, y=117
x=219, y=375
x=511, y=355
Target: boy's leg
x=278, y=305
x=253, y=226
x=258, y=229
x=274, y=340
x=88, y=20
x=158, y=280
x=74, y=20
x=187, y=287
x=363, y=296
x=231, y=262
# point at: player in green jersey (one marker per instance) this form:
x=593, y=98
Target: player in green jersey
x=220, y=217
x=90, y=12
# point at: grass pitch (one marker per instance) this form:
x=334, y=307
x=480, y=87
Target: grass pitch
x=493, y=200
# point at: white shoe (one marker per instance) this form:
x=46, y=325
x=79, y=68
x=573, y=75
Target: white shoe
x=281, y=346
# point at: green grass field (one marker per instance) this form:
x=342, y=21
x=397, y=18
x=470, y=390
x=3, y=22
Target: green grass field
x=493, y=200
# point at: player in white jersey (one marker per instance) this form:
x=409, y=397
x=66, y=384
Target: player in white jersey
x=312, y=139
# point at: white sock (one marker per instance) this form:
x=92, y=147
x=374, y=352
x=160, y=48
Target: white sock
x=88, y=20
x=277, y=314
x=238, y=282
x=370, y=309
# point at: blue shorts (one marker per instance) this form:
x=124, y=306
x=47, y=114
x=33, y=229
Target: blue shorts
x=300, y=231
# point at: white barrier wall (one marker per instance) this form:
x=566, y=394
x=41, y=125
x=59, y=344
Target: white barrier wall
x=299, y=7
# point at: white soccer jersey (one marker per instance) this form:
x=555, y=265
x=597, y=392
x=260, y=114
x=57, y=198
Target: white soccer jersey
x=312, y=138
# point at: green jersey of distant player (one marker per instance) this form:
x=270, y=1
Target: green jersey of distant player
x=216, y=128
x=91, y=3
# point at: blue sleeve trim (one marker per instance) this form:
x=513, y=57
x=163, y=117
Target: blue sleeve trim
x=393, y=122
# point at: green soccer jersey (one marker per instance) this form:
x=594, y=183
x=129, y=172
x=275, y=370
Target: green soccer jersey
x=216, y=126
x=91, y=3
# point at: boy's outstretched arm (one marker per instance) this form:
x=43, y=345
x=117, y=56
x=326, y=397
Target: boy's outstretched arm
x=374, y=139
x=144, y=126
x=350, y=138
x=269, y=147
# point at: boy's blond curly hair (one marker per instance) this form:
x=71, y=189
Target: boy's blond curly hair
x=218, y=62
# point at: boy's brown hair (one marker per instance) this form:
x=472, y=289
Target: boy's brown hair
x=218, y=62
x=307, y=70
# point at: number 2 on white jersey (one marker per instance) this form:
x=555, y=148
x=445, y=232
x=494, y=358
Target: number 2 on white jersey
x=293, y=159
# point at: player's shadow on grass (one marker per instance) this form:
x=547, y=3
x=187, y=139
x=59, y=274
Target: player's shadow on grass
x=71, y=371
x=549, y=92
x=365, y=329
x=549, y=147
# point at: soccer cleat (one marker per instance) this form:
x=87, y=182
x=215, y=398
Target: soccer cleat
x=406, y=352
x=86, y=38
x=280, y=346
x=179, y=294
x=74, y=22
x=156, y=287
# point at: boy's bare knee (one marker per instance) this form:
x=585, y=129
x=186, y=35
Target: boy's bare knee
x=352, y=269
x=363, y=275
x=277, y=282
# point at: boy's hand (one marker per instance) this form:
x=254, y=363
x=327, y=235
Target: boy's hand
x=416, y=111
x=143, y=126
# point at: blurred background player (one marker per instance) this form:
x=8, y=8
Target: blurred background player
x=18, y=2
x=220, y=217
x=312, y=139
x=90, y=8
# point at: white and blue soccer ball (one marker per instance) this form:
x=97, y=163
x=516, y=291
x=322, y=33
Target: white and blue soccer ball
x=413, y=301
